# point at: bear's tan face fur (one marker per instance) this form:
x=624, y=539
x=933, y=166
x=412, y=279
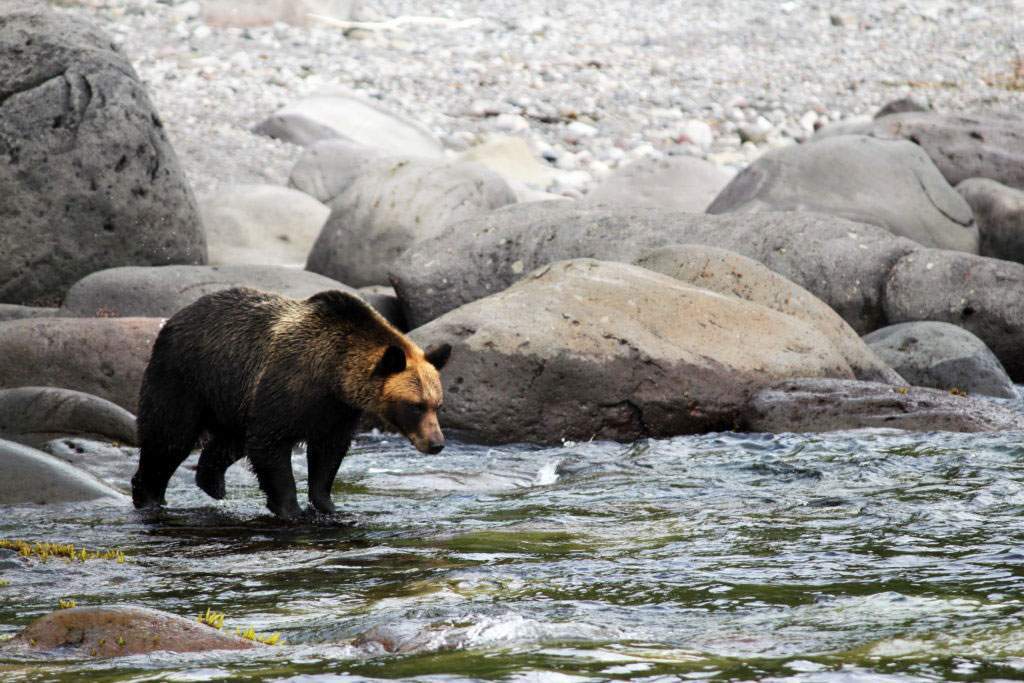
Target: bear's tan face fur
x=412, y=395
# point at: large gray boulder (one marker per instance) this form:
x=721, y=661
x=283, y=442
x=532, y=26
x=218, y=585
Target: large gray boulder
x=999, y=213
x=350, y=118
x=844, y=264
x=101, y=356
x=393, y=203
x=681, y=183
x=962, y=146
x=31, y=476
x=590, y=349
x=983, y=295
x=35, y=415
x=88, y=178
x=942, y=356
x=160, y=292
x=729, y=273
x=260, y=225
x=327, y=168
x=825, y=405
x=889, y=183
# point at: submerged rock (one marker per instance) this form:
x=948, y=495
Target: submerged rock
x=729, y=273
x=88, y=178
x=825, y=405
x=31, y=476
x=104, y=357
x=122, y=630
x=589, y=349
x=942, y=356
x=35, y=415
x=889, y=183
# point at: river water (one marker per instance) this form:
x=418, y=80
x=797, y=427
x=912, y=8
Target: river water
x=855, y=556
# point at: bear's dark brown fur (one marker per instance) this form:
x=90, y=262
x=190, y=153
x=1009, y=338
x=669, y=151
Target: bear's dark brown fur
x=260, y=372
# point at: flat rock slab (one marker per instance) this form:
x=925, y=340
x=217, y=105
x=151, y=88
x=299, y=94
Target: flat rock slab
x=999, y=213
x=35, y=477
x=160, y=292
x=680, y=183
x=104, y=357
x=260, y=225
x=941, y=356
x=593, y=349
x=88, y=178
x=731, y=274
x=982, y=295
x=825, y=405
x=351, y=118
x=845, y=264
x=35, y=415
x=889, y=183
x=119, y=631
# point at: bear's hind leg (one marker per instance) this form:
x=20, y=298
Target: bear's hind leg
x=167, y=431
x=273, y=467
x=218, y=455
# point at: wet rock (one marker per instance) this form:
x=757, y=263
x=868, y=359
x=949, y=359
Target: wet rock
x=729, y=273
x=963, y=147
x=353, y=119
x=328, y=168
x=35, y=415
x=88, y=179
x=260, y=224
x=122, y=630
x=942, y=356
x=112, y=463
x=246, y=14
x=34, y=477
x=982, y=295
x=904, y=104
x=824, y=405
x=100, y=356
x=999, y=213
x=16, y=312
x=681, y=183
x=394, y=203
x=589, y=349
x=888, y=183
x=844, y=264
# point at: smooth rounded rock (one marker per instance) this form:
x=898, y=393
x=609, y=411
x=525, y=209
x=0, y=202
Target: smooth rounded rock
x=681, y=183
x=826, y=405
x=34, y=477
x=999, y=213
x=393, y=204
x=731, y=274
x=88, y=178
x=512, y=159
x=104, y=357
x=941, y=356
x=35, y=415
x=982, y=295
x=844, y=264
x=593, y=349
x=327, y=168
x=889, y=183
x=347, y=117
x=122, y=630
x=260, y=225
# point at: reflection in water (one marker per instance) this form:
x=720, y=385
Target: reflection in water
x=853, y=556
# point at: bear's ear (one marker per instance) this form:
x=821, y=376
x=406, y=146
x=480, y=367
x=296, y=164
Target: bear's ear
x=391, y=362
x=438, y=355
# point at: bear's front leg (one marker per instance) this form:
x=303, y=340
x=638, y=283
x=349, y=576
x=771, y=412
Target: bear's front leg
x=273, y=467
x=324, y=455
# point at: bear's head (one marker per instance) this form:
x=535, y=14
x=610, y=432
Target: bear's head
x=411, y=393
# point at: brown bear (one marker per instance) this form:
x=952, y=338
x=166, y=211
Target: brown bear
x=259, y=372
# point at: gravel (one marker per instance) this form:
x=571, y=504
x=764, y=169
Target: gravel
x=592, y=84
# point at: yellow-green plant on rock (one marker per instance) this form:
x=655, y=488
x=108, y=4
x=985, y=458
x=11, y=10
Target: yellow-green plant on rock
x=45, y=551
